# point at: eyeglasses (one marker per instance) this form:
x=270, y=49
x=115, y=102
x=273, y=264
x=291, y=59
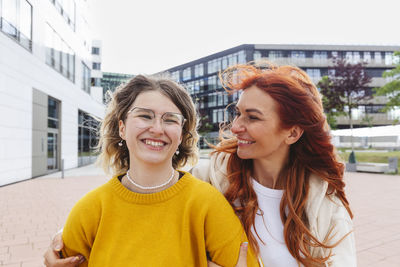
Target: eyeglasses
x=146, y=117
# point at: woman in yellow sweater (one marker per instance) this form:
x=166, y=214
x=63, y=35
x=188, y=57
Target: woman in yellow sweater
x=149, y=213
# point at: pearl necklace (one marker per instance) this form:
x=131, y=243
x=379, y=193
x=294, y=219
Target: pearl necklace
x=150, y=187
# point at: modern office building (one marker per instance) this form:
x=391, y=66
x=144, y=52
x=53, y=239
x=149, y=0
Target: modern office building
x=46, y=99
x=201, y=76
x=110, y=81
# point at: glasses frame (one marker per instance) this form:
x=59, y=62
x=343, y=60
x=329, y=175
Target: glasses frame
x=162, y=115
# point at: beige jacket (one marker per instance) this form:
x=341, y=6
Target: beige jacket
x=323, y=212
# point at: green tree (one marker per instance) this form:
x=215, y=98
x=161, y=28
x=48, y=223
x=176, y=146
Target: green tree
x=391, y=89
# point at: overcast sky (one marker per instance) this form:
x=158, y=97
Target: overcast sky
x=148, y=36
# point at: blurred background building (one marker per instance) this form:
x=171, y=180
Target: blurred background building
x=47, y=103
x=110, y=81
x=201, y=77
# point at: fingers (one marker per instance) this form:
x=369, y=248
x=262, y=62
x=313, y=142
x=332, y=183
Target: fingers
x=242, y=261
x=212, y=264
x=52, y=259
x=52, y=255
x=57, y=244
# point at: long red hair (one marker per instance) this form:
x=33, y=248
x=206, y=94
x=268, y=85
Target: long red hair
x=298, y=103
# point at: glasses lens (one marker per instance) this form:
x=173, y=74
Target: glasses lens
x=172, y=119
x=143, y=117
x=146, y=117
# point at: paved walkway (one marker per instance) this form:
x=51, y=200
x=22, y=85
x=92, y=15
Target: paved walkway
x=32, y=211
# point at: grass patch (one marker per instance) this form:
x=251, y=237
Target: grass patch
x=376, y=157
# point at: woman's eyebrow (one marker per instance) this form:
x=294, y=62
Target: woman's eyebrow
x=253, y=110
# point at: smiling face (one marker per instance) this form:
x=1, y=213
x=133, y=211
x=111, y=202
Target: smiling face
x=257, y=127
x=156, y=143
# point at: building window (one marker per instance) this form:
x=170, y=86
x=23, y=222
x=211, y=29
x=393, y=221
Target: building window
x=388, y=58
x=59, y=55
x=299, y=56
x=53, y=113
x=349, y=57
x=212, y=83
x=320, y=55
x=241, y=57
x=198, y=86
x=186, y=74
x=95, y=82
x=378, y=57
x=96, y=66
x=95, y=51
x=85, y=78
x=87, y=138
x=315, y=74
x=374, y=109
x=367, y=57
x=175, y=76
x=67, y=10
x=275, y=54
x=16, y=21
x=198, y=70
x=212, y=100
x=214, y=65
x=334, y=54
x=356, y=57
x=257, y=55
x=218, y=115
x=224, y=62
x=190, y=87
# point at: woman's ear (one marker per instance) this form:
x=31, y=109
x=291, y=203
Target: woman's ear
x=294, y=135
x=121, y=126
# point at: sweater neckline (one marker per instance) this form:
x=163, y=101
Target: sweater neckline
x=151, y=198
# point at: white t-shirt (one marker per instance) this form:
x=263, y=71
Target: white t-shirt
x=269, y=226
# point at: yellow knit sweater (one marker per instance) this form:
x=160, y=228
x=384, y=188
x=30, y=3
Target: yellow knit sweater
x=180, y=226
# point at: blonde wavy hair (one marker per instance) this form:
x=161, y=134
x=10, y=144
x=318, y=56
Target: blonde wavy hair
x=114, y=159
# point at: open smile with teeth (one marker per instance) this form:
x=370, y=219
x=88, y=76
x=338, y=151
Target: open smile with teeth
x=240, y=141
x=154, y=143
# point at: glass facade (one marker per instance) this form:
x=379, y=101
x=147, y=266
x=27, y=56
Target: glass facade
x=59, y=55
x=53, y=128
x=198, y=70
x=16, y=21
x=221, y=63
x=66, y=8
x=85, y=78
x=211, y=99
x=111, y=81
x=186, y=74
x=53, y=113
x=87, y=138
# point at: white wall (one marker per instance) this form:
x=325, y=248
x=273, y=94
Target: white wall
x=20, y=72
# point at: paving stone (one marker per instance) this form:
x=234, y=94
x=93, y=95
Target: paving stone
x=33, y=211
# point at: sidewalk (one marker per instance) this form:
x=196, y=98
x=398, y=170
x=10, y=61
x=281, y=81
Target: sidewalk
x=32, y=211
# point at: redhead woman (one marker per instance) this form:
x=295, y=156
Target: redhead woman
x=277, y=167
x=150, y=213
x=280, y=171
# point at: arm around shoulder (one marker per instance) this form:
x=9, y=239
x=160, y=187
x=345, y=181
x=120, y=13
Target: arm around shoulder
x=224, y=233
x=344, y=254
x=80, y=228
x=213, y=170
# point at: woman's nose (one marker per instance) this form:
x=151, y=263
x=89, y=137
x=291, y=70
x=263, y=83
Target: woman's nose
x=237, y=126
x=157, y=126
